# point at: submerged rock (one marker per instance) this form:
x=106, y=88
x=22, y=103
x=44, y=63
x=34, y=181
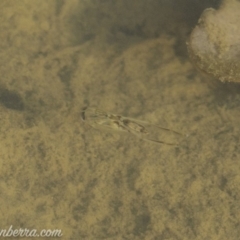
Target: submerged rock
x=214, y=44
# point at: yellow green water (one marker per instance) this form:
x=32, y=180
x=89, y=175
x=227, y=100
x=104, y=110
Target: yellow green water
x=57, y=172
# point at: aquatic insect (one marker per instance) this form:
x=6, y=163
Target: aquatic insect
x=99, y=119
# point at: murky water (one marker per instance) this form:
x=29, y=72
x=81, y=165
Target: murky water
x=58, y=172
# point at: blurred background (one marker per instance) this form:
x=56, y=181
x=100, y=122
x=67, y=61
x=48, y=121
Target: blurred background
x=128, y=58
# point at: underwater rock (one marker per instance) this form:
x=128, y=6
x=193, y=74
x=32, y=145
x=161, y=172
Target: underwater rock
x=214, y=44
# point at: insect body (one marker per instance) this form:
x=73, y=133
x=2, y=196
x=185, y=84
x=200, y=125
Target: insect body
x=144, y=130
